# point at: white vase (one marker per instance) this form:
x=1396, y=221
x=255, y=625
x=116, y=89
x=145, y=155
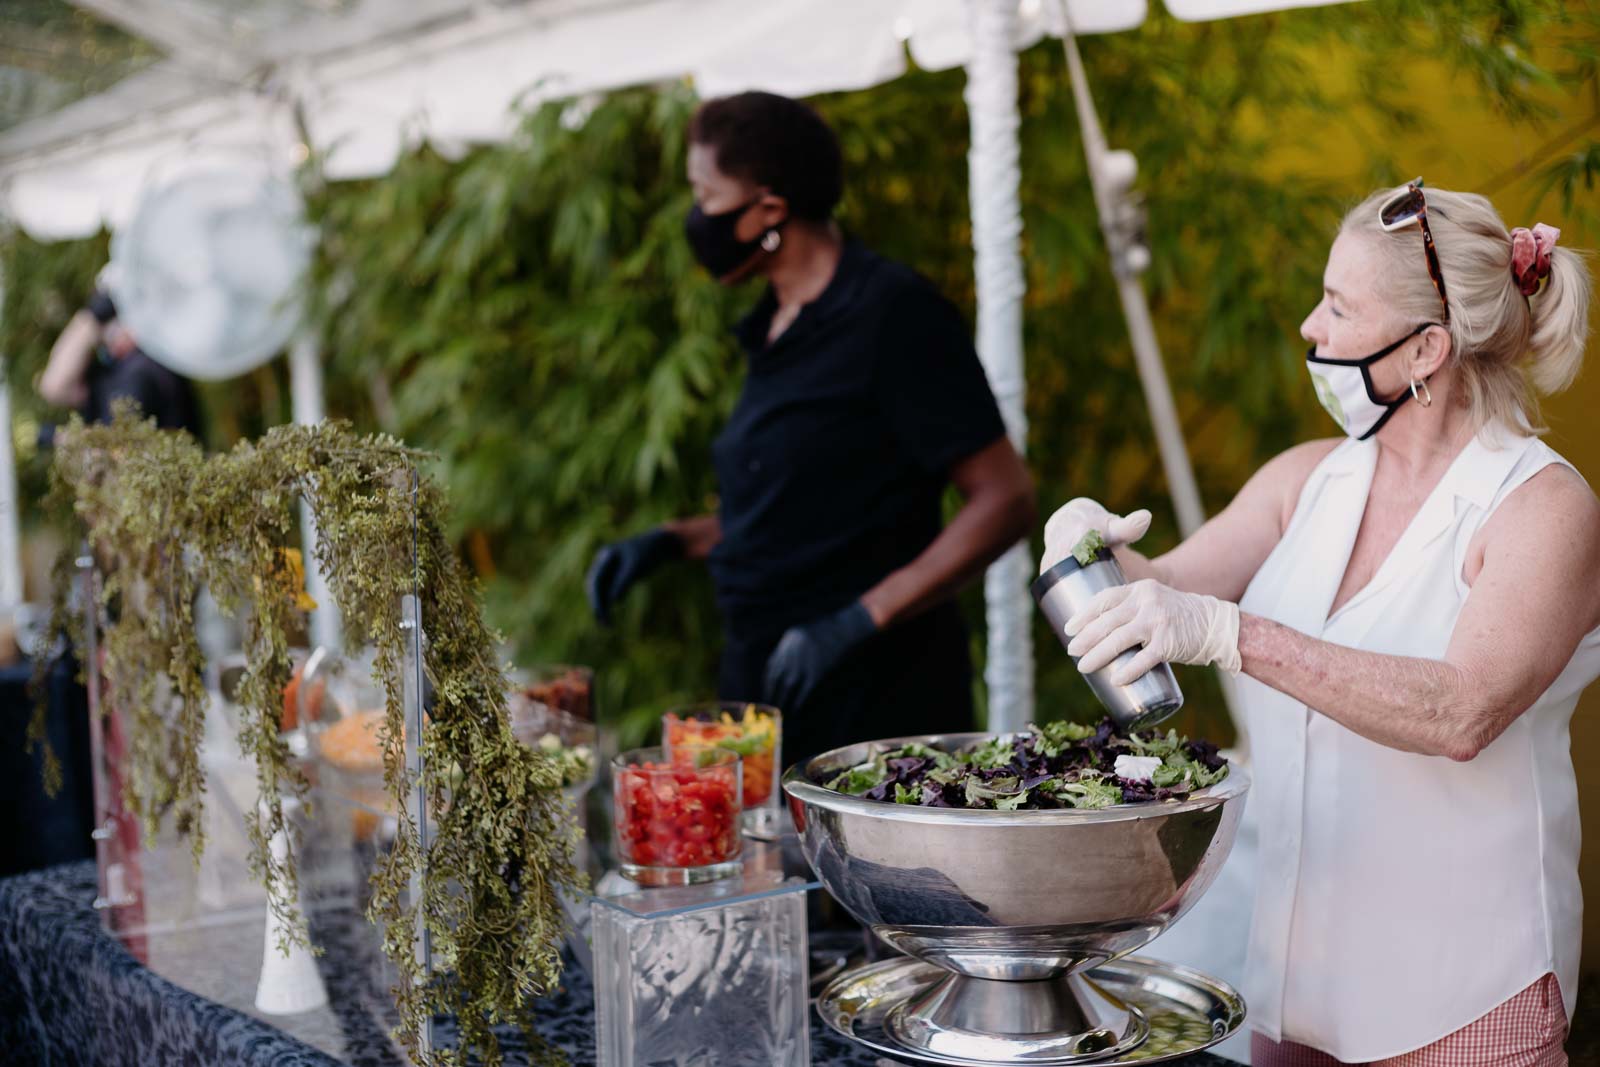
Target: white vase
x=289, y=983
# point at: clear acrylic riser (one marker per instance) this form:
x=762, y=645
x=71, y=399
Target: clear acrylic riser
x=208, y=925
x=204, y=925
x=709, y=975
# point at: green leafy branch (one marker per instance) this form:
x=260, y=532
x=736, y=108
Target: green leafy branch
x=163, y=519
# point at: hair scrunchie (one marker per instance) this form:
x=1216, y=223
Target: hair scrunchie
x=1530, y=255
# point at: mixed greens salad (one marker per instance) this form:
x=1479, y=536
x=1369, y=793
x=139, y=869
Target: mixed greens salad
x=1058, y=765
x=576, y=761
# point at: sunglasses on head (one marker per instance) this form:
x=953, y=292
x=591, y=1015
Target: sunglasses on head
x=1408, y=205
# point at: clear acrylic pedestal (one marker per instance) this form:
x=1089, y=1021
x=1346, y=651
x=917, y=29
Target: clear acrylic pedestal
x=711, y=975
x=210, y=927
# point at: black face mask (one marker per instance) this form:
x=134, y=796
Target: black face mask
x=711, y=237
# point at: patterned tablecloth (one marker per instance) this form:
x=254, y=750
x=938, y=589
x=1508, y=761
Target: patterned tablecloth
x=71, y=994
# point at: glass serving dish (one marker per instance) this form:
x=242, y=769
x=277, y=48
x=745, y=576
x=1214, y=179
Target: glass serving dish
x=558, y=686
x=558, y=731
x=346, y=735
x=677, y=815
x=752, y=731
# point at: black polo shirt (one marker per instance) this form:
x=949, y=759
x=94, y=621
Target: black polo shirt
x=833, y=463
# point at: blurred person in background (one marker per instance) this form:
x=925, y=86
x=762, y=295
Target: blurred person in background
x=96, y=362
x=863, y=400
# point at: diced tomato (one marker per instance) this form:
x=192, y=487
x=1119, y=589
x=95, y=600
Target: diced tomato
x=676, y=816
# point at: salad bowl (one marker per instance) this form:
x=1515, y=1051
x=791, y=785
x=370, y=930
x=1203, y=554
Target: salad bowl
x=1014, y=905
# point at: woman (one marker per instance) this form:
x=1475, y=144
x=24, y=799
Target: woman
x=863, y=400
x=1414, y=610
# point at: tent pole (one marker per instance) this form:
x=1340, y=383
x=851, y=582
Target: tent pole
x=1126, y=262
x=1110, y=175
x=995, y=178
x=11, y=592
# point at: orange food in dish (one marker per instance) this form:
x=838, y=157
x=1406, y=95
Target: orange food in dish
x=291, y=699
x=754, y=738
x=366, y=806
x=351, y=744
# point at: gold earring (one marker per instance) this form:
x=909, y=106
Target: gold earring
x=1426, y=399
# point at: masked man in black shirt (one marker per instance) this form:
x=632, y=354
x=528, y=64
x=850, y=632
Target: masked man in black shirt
x=863, y=400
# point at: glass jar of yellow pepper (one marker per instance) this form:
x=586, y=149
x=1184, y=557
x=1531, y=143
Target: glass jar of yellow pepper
x=754, y=732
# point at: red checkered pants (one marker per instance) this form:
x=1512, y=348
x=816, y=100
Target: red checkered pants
x=1528, y=1030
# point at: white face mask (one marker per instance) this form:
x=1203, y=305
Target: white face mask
x=1345, y=388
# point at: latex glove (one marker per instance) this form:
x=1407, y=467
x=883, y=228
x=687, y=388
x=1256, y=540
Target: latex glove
x=617, y=566
x=1077, y=517
x=1173, y=626
x=807, y=654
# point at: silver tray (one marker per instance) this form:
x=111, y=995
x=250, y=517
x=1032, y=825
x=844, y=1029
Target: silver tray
x=1188, y=1011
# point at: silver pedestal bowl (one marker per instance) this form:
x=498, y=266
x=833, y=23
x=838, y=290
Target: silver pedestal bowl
x=1014, y=904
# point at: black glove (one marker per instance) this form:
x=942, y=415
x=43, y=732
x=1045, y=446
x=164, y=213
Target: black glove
x=617, y=566
x=101, y=307
x=807, y=654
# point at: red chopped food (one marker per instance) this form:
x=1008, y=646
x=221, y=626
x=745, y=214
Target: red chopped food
x=568, y=691
x=676, y=814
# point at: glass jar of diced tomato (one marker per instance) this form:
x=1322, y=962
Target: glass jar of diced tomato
x=753, y=731
x=677, y=814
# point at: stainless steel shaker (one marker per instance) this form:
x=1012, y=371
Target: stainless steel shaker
x=1066, y=588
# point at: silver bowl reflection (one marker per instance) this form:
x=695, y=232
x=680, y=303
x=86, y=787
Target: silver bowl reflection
x=1013, y=904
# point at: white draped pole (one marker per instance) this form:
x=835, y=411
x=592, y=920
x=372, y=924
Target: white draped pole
x=305, y=395
x=994, y=179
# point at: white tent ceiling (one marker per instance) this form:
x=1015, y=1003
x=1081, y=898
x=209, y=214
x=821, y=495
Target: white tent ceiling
x=369, y=80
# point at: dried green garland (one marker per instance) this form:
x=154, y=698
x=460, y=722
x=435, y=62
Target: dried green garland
x=163, y=518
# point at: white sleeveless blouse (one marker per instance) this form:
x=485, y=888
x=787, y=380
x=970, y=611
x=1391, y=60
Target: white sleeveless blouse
x=1400, y=897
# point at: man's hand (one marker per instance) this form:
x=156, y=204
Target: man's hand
x=808, y=654
x=617, y=566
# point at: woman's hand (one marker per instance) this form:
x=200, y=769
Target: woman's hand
x=1077, y=517
x=1173, y=626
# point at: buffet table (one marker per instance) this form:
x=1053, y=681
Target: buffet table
x=70, y=993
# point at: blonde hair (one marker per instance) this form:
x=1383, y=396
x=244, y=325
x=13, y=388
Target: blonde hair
x=1506, y=348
